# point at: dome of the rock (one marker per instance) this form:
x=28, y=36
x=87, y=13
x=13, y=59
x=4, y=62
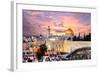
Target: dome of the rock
x=69, y=32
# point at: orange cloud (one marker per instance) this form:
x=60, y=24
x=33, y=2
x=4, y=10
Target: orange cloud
x=73, y=23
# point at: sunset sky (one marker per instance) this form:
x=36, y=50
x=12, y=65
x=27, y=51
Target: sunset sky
x=36, y=22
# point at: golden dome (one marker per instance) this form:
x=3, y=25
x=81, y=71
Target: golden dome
x=69, y=32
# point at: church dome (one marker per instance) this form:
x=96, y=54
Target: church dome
x=69, y=32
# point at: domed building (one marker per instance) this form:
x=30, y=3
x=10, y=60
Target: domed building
x=69, y=34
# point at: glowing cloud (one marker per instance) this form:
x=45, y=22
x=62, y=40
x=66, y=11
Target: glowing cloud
x=37, y=22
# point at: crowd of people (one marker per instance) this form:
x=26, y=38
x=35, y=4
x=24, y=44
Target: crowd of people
x=32, y=52
x=49, y=57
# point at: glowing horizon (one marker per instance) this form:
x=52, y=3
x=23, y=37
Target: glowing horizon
x=36, y=22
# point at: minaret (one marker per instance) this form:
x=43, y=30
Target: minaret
x=49, y=31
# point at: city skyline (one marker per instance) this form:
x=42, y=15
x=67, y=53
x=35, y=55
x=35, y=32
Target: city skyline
x=36, y=22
